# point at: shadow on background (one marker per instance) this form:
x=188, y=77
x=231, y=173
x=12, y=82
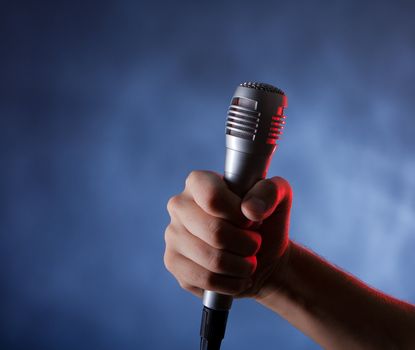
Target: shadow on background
x=108, y=105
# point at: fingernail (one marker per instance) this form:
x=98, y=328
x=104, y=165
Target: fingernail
x=257, y=205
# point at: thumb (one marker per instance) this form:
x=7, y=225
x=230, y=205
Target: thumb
x=265, y=196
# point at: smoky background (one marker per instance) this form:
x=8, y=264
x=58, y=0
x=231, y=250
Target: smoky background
x=106, y=106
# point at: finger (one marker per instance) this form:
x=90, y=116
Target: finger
x=214, y=260
x=195, y=291
x=265, y=196
x=191, y=274
x=210, y=192
x=216, y=232
x=169, y=262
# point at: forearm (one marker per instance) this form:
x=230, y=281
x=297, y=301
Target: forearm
x=335, y=309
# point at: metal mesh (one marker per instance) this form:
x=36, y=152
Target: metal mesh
x=263, y=87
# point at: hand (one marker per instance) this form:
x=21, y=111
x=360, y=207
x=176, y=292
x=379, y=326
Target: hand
x=220, y=242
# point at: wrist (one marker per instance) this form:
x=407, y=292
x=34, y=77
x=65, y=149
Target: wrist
x=277, y=281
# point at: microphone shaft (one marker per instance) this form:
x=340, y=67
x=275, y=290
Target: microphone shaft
x=242, y=171
x=254, y=124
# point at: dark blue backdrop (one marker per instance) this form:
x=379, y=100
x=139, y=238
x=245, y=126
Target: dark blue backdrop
x=107, y=105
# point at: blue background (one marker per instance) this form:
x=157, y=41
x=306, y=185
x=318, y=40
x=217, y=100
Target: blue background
x=106, y=106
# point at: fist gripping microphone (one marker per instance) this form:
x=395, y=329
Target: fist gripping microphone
x=254, y=124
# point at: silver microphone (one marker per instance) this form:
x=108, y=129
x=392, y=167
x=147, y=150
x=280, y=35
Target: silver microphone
x=254, y=124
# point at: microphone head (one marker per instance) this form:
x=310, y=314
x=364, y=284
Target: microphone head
x=256, y=115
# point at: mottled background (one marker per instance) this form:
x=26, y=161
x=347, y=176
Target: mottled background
x=107, y=105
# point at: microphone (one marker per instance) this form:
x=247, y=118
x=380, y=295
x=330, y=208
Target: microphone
x=254, y=124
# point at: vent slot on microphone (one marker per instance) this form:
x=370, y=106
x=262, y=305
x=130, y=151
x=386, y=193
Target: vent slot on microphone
x=245, y=102
x=243, y=118
x=276, y=127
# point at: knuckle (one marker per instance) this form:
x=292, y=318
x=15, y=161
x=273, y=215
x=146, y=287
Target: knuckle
x=168, y=234
x=168, y=261
x=193, y=177
x=206, y=189
x=173, y=204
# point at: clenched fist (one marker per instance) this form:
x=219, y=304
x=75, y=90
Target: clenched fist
x=220, y=242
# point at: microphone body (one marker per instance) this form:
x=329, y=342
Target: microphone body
x=254, y=124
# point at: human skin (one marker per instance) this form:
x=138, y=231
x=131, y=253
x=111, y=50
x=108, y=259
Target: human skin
x=220, y=242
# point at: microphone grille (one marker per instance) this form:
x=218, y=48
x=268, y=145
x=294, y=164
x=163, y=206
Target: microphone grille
x=263, y=87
